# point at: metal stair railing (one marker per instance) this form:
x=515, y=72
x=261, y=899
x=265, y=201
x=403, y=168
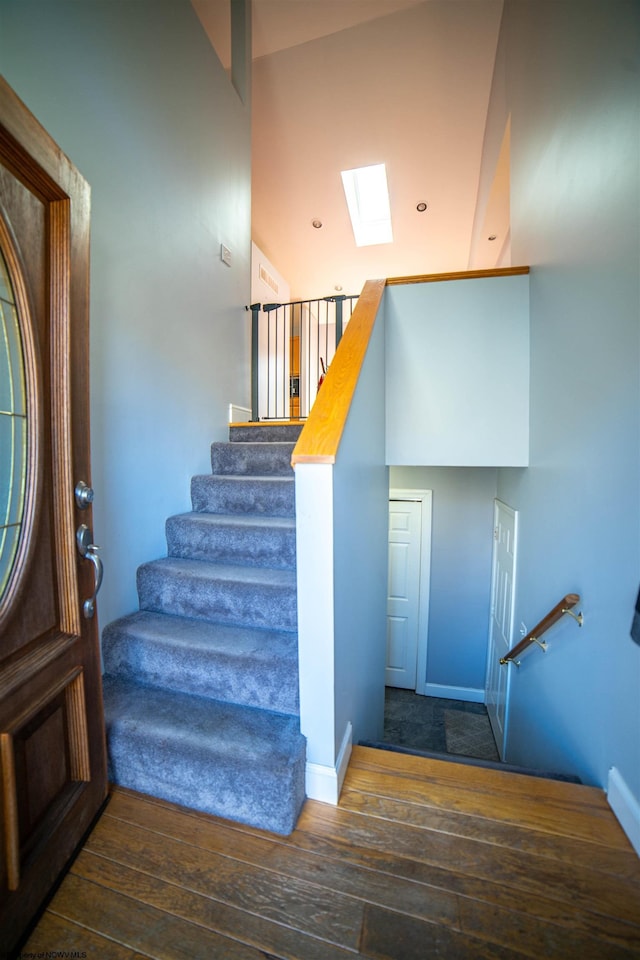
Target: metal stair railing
x=292, y=345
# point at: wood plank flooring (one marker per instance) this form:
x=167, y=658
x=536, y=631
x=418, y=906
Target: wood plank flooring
x=420, y=859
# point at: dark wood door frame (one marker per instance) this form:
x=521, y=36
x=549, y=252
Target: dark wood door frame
x=50, y=685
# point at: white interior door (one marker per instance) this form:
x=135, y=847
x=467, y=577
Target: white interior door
x=403, y=597
x=503, y=581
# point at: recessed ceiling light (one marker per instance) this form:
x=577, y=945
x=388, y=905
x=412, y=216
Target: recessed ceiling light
x=316, y=223
x=367, y=197
x=492, y=237
x=338, y=287
x=421, y=207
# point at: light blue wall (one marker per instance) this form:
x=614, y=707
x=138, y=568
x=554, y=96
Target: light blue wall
x=360, y=524
x=571, y=72
x=135, y=95
x=461, y=545
x=457, y=372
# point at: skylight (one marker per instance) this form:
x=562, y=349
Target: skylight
x=368, y=201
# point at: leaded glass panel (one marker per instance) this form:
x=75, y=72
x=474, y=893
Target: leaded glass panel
x=13, y=428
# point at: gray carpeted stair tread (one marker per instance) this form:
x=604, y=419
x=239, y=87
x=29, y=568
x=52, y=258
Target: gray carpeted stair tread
x=221, y=593
x=268, y=496
x=201, y=685
x=247, y=540
x=246, y=666
x=265, y=432
x=223, y=759
x=252, y=459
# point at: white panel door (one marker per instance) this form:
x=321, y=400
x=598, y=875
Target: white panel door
x=503, y=581
x=403, y=598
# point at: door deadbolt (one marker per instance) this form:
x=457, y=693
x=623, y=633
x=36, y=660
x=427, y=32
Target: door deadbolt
x=83, y=494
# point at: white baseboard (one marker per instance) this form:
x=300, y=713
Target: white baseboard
x=625, y=806
x=239, y=414
x=324, y=783
x=472, y=694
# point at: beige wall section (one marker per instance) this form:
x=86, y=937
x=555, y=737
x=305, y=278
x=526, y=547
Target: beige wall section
x=491, y=243
x=410, y=90
x=215, y=16
x=267, y=283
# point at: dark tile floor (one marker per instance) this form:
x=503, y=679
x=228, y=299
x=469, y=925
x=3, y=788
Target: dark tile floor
x=438, y=725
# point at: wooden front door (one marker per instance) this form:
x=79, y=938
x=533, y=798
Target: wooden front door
x=52, y=744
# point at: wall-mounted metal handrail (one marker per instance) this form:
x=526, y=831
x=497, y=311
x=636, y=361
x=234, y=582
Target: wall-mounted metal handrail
x=564, y=606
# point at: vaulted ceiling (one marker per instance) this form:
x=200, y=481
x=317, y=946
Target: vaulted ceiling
x=346, y=83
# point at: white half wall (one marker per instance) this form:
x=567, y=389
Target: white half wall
x=316, y=617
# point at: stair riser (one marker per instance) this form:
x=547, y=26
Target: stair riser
x=268, y=547
x=252, y=459
x=269, y=606
x=217, y=678
x=274, y=497
x=273, y=432
x=223, y=759
x=134, y=766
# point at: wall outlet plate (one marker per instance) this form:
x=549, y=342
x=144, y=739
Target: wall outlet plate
x=225, y=254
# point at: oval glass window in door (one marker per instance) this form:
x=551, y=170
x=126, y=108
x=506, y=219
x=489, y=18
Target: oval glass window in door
x=13, y=428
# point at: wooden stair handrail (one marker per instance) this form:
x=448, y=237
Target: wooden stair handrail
x=567, y=603
x=458, y=275
x=321, y=434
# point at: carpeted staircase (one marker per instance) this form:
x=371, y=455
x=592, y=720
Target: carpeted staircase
x=201, y=684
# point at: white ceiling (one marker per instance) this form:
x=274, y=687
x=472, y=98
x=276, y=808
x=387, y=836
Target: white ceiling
x=345, y=83
x=279, y=24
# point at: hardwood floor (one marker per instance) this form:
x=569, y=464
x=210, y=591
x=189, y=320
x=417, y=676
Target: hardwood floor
x=421, y=859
